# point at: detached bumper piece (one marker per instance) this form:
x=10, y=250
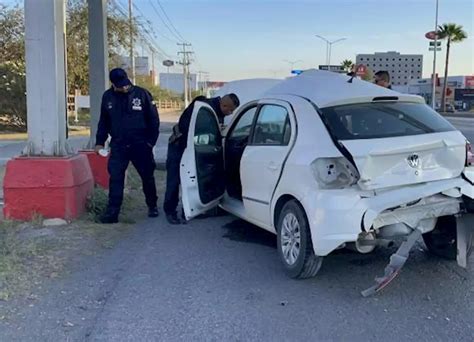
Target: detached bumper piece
x=397, y=260
x=465, y=234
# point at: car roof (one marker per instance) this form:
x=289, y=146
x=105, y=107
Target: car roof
x=327, y=89
x=248, y=89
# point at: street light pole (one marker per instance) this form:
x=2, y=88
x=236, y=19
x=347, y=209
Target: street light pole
x=292, y=63
x=132, y=56
x=329, y=47
x=433, y=96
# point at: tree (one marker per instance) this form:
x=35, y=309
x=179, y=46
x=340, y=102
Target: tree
x=13, y=99
x=12, y=28
x=347, y=64
x=369, y=75
x=12, y=68
x=12, y=54
x=453, y=33
x=118, y=35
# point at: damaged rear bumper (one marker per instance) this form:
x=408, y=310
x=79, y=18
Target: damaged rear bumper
x=337, y=217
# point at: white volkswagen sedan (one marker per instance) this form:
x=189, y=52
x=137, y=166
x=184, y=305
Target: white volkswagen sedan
x=326, y=162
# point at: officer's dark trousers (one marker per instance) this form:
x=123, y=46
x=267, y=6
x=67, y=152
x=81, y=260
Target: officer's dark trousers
x=141, y=156
x=175, y=152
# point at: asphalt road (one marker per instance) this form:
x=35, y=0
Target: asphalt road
x=219, y=279
x=9, y=149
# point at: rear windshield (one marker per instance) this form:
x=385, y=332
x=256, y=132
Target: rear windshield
x=383, y=120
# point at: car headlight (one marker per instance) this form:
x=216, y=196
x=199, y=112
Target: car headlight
x=334, y=173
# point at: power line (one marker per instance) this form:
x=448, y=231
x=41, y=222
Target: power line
x=143, y=31
x=149, y=23
x=167, y=17
x=178, y=37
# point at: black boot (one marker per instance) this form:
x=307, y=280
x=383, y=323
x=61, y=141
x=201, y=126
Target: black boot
x=153, y=212
x=183, y=217
x=173, y=219
x=110, y=216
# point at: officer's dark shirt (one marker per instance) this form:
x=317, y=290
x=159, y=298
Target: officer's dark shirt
x=185, y=119
x=129, y=118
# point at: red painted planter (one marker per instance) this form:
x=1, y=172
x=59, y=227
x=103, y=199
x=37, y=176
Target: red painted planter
x=98, y=166
x=48, y=186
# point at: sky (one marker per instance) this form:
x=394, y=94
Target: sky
x=235, y=39
x=251, y=38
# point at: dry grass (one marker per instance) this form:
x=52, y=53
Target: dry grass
x=31, y=253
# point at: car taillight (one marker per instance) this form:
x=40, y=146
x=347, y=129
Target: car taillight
x=334, y=173
x=469, y=154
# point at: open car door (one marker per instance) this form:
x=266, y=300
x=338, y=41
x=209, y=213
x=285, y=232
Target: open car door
x=202, y=164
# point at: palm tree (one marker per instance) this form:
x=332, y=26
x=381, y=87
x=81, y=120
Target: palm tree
x=454, y=34
x=347, y=64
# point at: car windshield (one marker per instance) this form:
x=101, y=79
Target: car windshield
x=382, y=120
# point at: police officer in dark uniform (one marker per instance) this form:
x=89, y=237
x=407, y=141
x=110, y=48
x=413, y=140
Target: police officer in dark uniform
x=129, y=115
x=177, y=144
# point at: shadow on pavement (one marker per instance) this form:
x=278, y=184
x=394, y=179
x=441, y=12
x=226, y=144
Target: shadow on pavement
x=241, y=231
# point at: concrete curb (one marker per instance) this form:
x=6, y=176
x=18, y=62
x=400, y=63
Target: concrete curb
x=458, y=115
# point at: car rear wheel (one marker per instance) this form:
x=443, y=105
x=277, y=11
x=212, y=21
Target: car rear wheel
x=442, y=240
x=294, y=243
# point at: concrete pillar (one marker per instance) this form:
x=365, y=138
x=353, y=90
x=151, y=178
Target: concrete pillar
x=98, y=61
x=45, y=77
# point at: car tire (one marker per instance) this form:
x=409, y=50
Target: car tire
x=295, y=247
x=442, y=241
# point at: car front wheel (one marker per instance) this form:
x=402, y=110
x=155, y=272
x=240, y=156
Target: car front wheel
x=294, y=243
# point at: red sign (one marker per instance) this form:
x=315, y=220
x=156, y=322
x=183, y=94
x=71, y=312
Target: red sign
x=469, y=80
x=361, y=70
x=431, y=35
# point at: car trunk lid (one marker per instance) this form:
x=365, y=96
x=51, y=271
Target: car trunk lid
x=391, y=162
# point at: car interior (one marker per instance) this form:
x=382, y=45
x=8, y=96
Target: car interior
x=236, y=142
x=272, y=128
x=219, y=170
x=209, y=156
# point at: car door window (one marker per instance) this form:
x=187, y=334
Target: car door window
x=208, y=156
x=207, y=129
x=272, y=126
x=244, y=125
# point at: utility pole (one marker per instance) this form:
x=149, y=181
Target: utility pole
x=132, y=57
x=204, y=84
x=152, y=65
x=433, y=96
x=185, y=63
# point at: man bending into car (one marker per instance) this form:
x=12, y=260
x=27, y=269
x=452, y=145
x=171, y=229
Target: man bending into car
x=382, y=79
x=177, y=144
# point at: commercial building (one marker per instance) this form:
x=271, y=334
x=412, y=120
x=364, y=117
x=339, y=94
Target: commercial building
x=142, y=65
x=402, y=68
x=175, y=82
x=459, y=92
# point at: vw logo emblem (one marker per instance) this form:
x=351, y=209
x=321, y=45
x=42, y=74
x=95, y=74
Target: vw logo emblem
x=414, y=161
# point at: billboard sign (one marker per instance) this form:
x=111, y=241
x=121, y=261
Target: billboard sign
x=431, y=35
x=332, y=68
x=361, y=70
x=469, y=81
